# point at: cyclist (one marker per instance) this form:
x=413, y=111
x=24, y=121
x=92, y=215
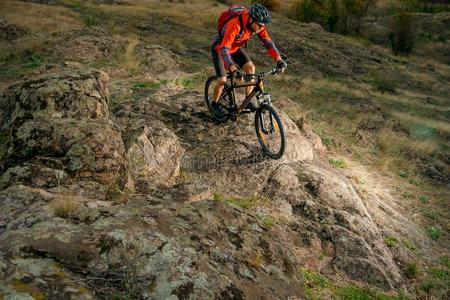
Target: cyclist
x=227, y=51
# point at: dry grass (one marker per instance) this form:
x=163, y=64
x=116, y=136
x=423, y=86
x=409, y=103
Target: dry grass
x=440, y=125
x=129, y=60
x=256, y=260
x=39, y=18
x=65, y=207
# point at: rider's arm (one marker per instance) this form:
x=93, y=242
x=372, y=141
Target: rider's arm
x=269, y=44
x=229, y=36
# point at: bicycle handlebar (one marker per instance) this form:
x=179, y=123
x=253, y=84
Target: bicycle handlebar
x=275, y=71
x=248, y=77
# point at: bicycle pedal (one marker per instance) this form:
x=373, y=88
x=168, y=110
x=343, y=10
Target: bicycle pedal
x=246, y=111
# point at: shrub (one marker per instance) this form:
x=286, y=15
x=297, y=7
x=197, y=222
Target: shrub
x=342, y=16
x=402, y=33
x=306, y=11
x=270, y=4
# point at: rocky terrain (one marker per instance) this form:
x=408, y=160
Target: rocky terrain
x=117, y=192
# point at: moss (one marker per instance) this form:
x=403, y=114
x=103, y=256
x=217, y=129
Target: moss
x=30, y=289
x=80, y=156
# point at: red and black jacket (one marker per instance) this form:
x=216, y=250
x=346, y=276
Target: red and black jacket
x=231, y=38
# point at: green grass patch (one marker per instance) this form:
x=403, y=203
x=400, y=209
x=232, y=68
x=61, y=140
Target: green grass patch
x=357, y=293
x=90, y=20
x=424, y=199
x=136, y=86
x=337, y=163
x=435, y=233
x=390, y=241
x=314, y=284
x=440, y=273
x=245, y=203
x=195, y=81
x=315, y=280
x=427, y=286
x=18, y=65
x=409, y=245
x=317, y=286
x=382, y=83
x=422, y=131
x=411, y=270
x=267, y=221
x=403, y=174
x=430, y=213
x=445, y=261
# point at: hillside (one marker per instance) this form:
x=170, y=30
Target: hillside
x=117, y=184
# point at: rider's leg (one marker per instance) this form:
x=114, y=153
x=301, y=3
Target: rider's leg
x=220, y=72
x=249, y=68
x=218, y=88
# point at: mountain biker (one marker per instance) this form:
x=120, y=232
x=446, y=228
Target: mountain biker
x=227, y=52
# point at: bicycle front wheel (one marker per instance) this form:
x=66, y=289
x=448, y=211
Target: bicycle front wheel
x=270, y=132
x=222, y=111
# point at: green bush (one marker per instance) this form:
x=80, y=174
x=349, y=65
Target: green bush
x=402, y=34
x=306, y=11
x=343, y=16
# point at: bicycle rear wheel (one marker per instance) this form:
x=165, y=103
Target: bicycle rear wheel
x=225, y=104
x=270, y=132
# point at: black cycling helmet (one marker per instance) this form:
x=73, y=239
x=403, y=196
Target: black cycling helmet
x=259, y=13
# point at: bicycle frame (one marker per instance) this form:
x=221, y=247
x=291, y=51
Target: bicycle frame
x=258, y=89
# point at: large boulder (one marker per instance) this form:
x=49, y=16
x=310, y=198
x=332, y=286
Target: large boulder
x=59, y=121
x=158, y=61
x=56, y=94
x=332, y=218
x=154, y=155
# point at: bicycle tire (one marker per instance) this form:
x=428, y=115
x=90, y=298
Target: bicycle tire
x=224, y=102
x=260, y=116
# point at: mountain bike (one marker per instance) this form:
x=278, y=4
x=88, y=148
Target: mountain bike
x=268, y=126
